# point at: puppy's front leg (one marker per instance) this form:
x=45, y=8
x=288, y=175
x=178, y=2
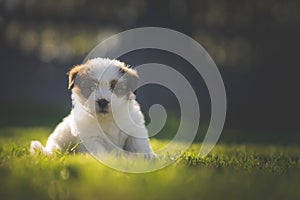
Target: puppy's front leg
x=60, y=139
x=140, y=145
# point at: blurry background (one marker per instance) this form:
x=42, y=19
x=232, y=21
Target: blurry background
x=255, y=45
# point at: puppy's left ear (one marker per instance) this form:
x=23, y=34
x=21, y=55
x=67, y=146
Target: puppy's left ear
x=72, y=75
x=131, y=77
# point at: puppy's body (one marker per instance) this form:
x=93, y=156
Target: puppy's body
x=105, y=117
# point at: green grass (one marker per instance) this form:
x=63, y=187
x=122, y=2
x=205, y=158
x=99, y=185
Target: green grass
x=235, y=171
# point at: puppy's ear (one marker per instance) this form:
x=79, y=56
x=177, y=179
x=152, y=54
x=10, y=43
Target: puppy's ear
x=131, y=77
x=78, y=69
x=72, y=75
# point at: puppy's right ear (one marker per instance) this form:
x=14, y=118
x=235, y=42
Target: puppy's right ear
x=72, y=75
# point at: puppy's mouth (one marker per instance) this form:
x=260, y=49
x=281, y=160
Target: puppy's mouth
x=102, y=111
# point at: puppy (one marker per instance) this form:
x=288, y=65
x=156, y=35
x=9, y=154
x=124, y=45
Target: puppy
x=105, y=117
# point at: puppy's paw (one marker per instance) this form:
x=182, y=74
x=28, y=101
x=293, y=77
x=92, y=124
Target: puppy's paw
x=36, y=146
x=150, y=156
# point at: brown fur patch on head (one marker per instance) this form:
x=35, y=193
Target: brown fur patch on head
x=77, y=70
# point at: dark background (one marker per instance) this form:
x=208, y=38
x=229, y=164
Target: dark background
x=255, y=45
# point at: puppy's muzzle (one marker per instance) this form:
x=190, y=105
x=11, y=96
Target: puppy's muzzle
x=103, y=105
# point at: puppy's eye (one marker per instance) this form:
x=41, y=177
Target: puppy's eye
x=118, y=87
x=95, y=86
x=113, y=84
x=92, y=88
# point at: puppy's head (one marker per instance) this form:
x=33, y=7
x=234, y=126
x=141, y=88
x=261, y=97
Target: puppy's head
x=99, y=82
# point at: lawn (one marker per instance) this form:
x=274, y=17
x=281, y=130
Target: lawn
x=230, y=171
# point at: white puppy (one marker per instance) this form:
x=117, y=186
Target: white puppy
x=105, y=117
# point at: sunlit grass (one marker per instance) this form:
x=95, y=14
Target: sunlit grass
x=228, y=172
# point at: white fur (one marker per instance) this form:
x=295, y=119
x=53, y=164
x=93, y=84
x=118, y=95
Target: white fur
x=121, y=128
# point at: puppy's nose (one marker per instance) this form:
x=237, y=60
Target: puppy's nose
x=102, y=103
